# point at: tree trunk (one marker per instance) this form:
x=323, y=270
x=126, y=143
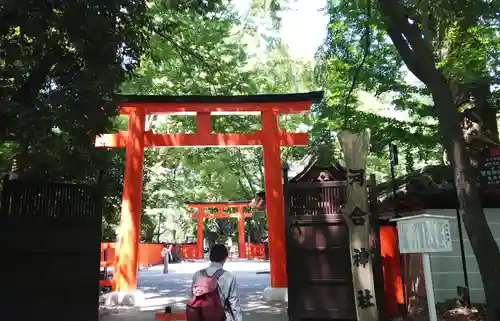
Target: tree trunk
x=479, y=121
x=482, y=241
x=483, y=107
x=420, y=60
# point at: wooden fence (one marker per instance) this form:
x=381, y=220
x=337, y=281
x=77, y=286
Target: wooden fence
x=46, y=227
x=150, y=254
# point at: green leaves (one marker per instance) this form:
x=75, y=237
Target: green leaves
x=464, y=41
x=61, y=67
x=205, y=55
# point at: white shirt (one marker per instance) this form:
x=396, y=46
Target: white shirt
x=228, y=290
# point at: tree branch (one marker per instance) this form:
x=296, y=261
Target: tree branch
x=406, y=53
x=366, y=52
x=244, y=172
x=161, y=232
x=35, y=81
x=149, y=122
x=261, y=171
x=244, y=189
x=180, y=49
x=406, y=39
x=394, y=10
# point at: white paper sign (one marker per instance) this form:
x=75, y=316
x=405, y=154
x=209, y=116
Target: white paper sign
x=424, y=234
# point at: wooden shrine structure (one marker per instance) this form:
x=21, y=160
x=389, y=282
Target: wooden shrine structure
x=202, y=213
x=318, y=255
x=138, y=137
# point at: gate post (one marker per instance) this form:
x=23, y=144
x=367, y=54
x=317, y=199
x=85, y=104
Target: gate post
x=241, y=233
x=126, y=259
x=274, y=198
x=199, y=233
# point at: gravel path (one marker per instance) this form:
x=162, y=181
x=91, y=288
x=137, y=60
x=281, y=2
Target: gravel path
x=172, y=289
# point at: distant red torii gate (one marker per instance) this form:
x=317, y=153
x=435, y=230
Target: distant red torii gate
x=201, y=207
x=270, y=137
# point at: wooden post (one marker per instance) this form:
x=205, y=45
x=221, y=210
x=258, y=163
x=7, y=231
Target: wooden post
x=355, y=148
x=241, y=232
x=274, y=199
x=203, y=123
x=378, y=272
x=199, y=233
x=126, y=258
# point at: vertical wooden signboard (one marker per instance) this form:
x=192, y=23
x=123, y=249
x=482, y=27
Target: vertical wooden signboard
x=355, y=148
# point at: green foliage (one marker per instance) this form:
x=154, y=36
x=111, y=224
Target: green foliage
x=60, y=67
x=452, y=48
x=216, y=63
x=363, y=73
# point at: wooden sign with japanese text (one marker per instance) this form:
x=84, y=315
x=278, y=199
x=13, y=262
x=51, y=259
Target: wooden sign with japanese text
x=489, y=170
x=355, y=148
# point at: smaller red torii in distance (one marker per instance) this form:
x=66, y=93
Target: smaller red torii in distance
x=201, y=207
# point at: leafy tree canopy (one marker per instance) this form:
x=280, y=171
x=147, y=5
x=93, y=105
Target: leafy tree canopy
x=358, y=65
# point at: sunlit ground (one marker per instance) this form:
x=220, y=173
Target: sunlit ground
x=173, y=289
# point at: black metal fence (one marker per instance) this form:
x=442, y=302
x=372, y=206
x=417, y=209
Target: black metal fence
x=50, y=237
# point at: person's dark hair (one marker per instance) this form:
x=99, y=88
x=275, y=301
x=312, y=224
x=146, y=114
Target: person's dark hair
x=218, y=253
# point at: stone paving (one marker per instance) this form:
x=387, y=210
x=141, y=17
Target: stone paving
x=173, y=289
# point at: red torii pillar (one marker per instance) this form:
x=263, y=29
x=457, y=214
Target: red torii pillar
x=201, y=214
x=270, y=137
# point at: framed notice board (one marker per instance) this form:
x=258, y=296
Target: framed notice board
x=489, y=170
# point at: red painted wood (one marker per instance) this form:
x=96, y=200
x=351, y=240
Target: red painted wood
x=292, y=107
x=136, y=139
x=274, y=200
x=199, y=239
x=127, y=257
x=221, y=215
x=241, y=233
x=203, y=124
x=188, y=251
x=201, y=214
x=170, y=316
x=393, y=289
x=255, y=251
x=201, y=139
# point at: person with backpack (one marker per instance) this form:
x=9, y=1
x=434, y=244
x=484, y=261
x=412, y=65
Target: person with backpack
x=215, y=291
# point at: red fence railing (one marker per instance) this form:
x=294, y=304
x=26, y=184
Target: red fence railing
x=255, y=251
x=150, y=254
x=187, y=251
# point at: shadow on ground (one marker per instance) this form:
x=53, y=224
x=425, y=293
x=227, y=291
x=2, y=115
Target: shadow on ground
x=173, y=289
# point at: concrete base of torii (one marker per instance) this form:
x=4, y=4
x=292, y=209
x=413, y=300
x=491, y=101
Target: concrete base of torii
x=130, y=299
x=275, y=294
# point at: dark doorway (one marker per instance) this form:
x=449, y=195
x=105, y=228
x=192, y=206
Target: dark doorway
x=318, y=256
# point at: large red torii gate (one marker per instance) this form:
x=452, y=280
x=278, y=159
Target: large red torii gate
x=270, y=137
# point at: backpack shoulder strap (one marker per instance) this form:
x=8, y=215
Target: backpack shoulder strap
x=218, y=274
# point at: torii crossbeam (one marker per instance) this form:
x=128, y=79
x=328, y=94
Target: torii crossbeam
x=270, y=137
